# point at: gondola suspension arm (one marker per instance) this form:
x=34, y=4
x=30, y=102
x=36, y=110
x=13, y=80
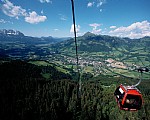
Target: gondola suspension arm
x=141, y=70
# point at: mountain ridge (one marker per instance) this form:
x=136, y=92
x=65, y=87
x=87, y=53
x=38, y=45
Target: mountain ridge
x=90, y=41
x=11, y=32
x=17, y=36
x=87, y=35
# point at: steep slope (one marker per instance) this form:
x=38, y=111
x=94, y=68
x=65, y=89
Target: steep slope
x=21, y=70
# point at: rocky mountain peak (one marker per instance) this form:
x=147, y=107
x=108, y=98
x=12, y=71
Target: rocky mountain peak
x=11, y=32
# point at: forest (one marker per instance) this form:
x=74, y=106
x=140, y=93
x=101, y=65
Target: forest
x=26, y=94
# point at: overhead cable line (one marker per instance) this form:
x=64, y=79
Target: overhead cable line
x=77, y=59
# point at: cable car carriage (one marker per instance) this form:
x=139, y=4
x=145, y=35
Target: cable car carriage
x=128, y=98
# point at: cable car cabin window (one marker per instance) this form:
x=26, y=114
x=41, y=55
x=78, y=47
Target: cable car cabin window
x=119, y=93
x=133, y=102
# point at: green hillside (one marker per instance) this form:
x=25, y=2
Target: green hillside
x=106, y=54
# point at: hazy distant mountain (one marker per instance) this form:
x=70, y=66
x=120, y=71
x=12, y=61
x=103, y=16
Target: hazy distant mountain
x=53, y=39
x=16, y=36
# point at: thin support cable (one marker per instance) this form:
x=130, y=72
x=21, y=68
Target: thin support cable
x=75, y=37
x=138, y=81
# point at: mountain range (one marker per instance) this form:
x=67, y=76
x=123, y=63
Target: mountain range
x=17, y=36
x=88, y=45
x=90, y=42
x=97, y=53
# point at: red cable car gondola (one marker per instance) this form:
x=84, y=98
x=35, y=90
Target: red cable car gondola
x=128, y=98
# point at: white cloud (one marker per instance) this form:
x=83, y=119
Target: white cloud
x=95, y=25
x=11, y=10
x=42, y=12
x=77, y=28
x=34, y=18
x=17, y=11
x=94, y=28
x=56, y=29
x=45, y=1
x=97, y=3
x=2, y=21
x=100, y=2
x=62, y=17
x=135, y=30
x=90, y=4
x=101, y=10
x=5, y=21
x=96, y=31
x=112, y=27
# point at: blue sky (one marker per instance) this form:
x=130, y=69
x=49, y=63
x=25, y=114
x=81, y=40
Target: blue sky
x=123, y=18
